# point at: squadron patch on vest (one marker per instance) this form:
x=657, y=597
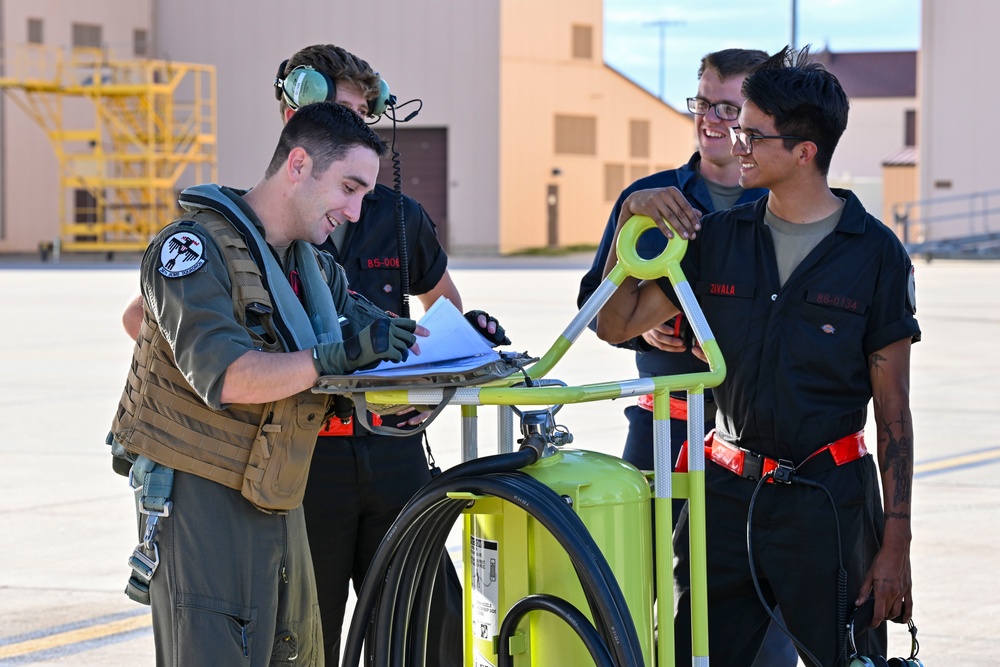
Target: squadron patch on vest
x=182, y=253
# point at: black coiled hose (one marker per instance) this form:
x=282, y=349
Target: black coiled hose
x=403, y=252
x=393, y=603
x=584, y=629
x=402, y=533
x=841, y=571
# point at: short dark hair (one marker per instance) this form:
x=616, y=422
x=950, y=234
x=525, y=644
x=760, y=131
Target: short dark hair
x=804, y=99
x=732, y=62
x=326, y=131
x=337, y=63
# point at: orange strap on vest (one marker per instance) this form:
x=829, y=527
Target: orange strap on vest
x=678, y=406
x=335, y=427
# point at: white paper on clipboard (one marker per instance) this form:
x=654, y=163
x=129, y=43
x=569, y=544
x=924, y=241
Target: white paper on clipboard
x=453, y=345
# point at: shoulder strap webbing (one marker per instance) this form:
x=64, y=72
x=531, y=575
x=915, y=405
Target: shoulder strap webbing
x=291, y=321
x=322, y=311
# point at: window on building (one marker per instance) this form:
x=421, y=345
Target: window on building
x=637, y=171
x=583, y=42
x=140, y=43
x=910, y=130
x=638, y=132
x=35, y=33
x=576, y=135
x=86, y=35
x=614, y=181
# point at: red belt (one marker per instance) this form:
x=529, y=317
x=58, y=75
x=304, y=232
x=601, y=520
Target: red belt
x=753, y=466
x=335, y=427
x=678, y=406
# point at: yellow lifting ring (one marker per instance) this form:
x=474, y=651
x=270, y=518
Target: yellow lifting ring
x=647, y=269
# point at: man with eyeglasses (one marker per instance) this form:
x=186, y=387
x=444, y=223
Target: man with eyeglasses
x=812, y=302
x=708, y=182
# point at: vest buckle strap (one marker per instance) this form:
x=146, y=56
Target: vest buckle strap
x=143, y=568
x=143, y=565
x=153, y=484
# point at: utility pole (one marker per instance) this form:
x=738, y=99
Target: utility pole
x=795, y=26
x=662, y=24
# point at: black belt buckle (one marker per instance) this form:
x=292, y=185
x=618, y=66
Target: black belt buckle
x=753, y=465
x=783, y=473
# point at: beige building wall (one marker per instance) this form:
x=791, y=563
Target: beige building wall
x=494, y=74
x=957, y=76
x=546, y=76
x=29, y=178
x=899, y=185
x=472, y=64
x=876, y=127
x=442, y=51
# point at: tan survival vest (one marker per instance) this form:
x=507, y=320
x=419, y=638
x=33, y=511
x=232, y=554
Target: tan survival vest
x=264, y=450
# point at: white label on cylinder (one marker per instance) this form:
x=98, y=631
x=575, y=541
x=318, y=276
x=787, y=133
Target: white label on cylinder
x=479, y=660
x=485, y=588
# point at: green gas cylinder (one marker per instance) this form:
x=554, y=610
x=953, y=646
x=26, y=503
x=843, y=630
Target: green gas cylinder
x=509, y=555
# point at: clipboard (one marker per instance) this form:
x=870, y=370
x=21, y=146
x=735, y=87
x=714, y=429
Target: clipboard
x=447, y=377
x=473, y=370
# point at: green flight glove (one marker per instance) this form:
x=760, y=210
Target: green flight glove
x=384, y=339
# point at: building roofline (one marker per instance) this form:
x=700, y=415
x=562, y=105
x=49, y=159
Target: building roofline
x=629, y=81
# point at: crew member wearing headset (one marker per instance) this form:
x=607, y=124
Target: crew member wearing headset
x=811, y=300
x=359, y=481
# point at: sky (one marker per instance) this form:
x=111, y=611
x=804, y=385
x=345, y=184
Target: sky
x=697, y=27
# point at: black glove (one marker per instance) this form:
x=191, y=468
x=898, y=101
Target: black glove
x=498, y=338
x=386, y=339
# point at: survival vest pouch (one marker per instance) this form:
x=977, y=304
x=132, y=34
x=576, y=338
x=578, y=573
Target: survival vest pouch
x=121, y=458
x=424, y=377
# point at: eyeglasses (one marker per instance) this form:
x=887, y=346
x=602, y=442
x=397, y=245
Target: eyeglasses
x=724, y=110
x=745, y=140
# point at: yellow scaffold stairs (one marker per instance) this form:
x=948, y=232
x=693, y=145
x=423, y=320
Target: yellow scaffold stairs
x=128, y=134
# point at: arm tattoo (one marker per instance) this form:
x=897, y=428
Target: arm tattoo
x=875, y=361
x=897, y=515
x=899, y=459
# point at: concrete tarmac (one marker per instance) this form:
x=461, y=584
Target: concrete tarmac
x=67, y=521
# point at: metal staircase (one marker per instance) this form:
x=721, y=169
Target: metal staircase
x=150, y=123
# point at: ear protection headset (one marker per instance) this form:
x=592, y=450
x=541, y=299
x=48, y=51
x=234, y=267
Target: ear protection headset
x=879, y=661
x=306, y=84
x=862, y=617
